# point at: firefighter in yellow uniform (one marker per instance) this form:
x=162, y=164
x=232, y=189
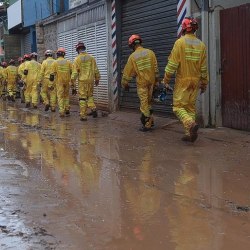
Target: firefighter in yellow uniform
x=32, y=72
x=22, y=77
x=61, y=70
x=20, y=85
x=188, y=60
x=11, y=79
x=48, y=92
x=142, y=63
x=86, y=70
x=1, y=81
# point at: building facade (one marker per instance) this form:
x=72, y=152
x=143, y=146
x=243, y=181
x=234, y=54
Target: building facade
x=23, y=16
x=105, y=26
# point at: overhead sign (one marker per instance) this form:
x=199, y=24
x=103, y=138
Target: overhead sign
x=14, y=13
x=75, y=3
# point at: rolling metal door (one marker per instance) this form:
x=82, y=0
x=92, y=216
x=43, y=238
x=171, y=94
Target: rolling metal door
x=156, y=22
x=92, y=30
x=68, y=40
x=27, y=43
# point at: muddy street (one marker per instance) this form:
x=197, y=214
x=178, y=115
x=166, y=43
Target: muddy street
x=102, y=184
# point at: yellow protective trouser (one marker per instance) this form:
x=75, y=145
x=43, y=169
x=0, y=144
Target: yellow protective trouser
x=184, y=100
x=63, y=97
x=48, y=96
x=145, y=95
x=86, y=99
x=31, y=92
x=11, y=88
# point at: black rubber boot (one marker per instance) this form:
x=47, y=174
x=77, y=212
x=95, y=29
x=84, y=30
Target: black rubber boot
x=94, y=113
x=46, y=107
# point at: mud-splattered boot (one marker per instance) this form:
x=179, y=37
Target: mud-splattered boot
x=193, y=132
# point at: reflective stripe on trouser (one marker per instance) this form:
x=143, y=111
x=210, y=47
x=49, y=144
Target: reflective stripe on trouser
x=184, y=100
x=63, y=97
x=86, y=99
x=145, y=96
x=48, y=96
x=11, y=88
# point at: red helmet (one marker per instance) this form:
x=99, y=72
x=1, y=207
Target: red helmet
x=134, y=39
x=48, y=52
x=26, y=57
x=189, y=24
x=11, y=62
x=4, y=64
x=80, y=45
x=61, y=52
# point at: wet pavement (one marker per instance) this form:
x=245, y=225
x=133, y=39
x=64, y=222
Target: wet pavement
x=102, y=184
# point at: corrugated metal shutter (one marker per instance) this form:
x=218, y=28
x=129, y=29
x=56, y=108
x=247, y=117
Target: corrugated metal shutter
x=27, y=43
x=155, y=21
x=68, y=40
x=92, y=30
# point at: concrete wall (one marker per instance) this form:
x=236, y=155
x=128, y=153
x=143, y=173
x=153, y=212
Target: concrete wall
x=227, y=3
x=37, y=10
x=12, y=47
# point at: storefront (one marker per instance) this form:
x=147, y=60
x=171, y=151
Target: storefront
x=156, y=22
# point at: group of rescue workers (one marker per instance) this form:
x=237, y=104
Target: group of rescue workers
x=187, y=60
x=54, y=77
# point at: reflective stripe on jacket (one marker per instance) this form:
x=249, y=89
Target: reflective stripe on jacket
x=188, y=59
x=141, y=64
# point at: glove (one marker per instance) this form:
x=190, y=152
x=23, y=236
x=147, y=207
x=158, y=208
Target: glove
x=25, y=72
x=74, y=91
x=126, y=88
x=96, y=82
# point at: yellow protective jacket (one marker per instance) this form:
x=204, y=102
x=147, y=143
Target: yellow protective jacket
x=10, y=74
x=62, y=69
x=85, y=68
x=142, y=63
x=188, y=60
x=1, y=73
x=46, y=68
x=33, y=68
x=21, y=68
